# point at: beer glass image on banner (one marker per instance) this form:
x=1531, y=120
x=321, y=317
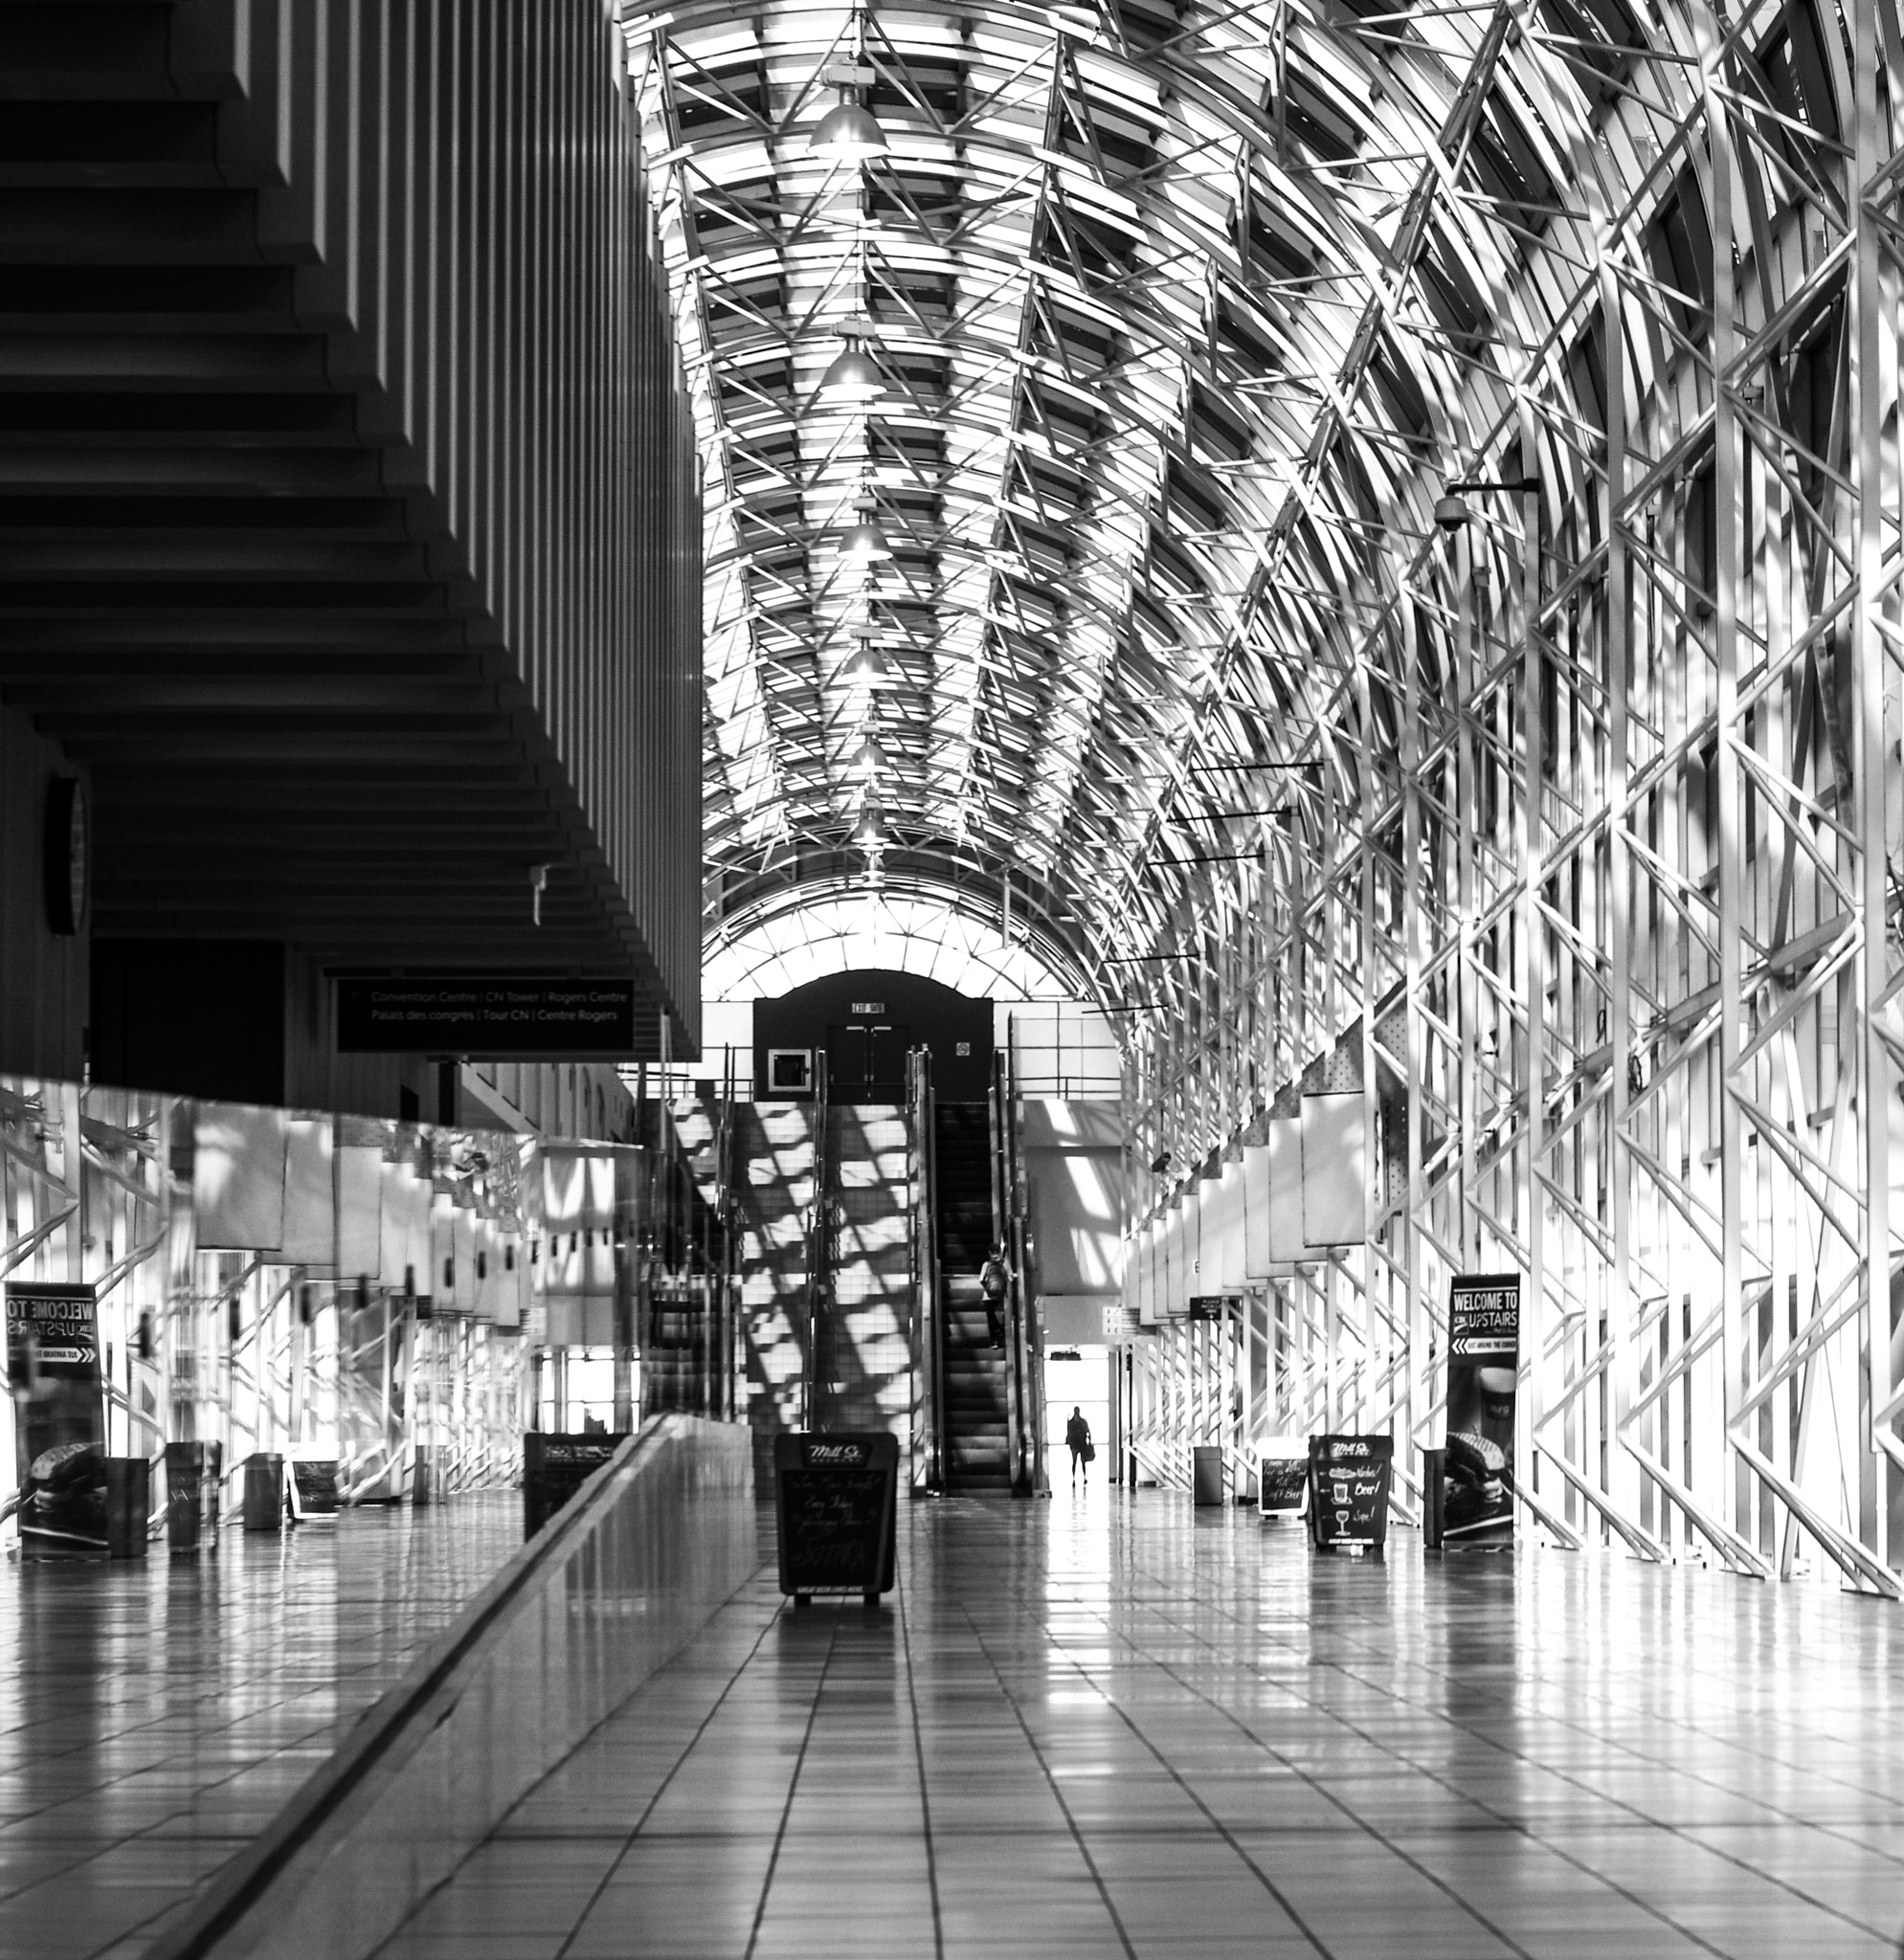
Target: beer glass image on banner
x=1484, y=1357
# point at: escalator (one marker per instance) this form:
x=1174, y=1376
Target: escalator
x=973, y=1371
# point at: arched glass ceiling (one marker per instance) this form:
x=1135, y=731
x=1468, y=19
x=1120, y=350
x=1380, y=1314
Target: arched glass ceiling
x=1178, y=314
x=869, y=929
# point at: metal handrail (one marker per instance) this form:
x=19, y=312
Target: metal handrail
x=1025, y=1362
x=818, y=1240
x=929, y=1471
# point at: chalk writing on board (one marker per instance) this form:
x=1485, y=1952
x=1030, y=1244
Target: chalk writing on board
x=1348, y=1485
x=835, y=1503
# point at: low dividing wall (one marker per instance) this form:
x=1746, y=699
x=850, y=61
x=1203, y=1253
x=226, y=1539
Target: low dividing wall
x=657, y=1539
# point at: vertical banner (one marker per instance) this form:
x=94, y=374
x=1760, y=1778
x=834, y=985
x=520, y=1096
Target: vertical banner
x=52, y=1368
x=1484, y=1358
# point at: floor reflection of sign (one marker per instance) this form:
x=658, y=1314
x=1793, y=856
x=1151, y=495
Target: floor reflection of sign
x=1350, y=1480
x=836, y=1499
x=52, y=1368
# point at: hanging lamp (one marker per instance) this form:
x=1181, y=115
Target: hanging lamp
x=852, y=377
x=848, y=134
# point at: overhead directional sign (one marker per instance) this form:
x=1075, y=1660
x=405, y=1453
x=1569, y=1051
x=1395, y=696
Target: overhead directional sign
x=486, y=1016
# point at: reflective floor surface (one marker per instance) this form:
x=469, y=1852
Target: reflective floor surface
x=155, y=1715
x=1116, y=1725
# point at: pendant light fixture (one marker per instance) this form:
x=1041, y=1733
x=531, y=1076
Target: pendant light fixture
x=864, y=544
x=852, y=377
x=848, y=134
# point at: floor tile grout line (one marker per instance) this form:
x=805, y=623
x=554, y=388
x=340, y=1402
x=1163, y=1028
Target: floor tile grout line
x=1692, y=1731
x=1784, y=1819
x=661, y=1789
x=1394, y=1850
x=793, y=1790
x=1360, y=1823
x=1563, y=1776
x=1506, y=1822
x=1057, y=1794
x=919, y=1756
x=1222, y=1829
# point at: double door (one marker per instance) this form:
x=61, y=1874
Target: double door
x=866, y=1061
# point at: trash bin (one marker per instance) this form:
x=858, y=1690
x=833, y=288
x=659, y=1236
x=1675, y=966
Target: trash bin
x=1434, y=1498
x=1206, y=1475
x=129, y=1497
x=264, y=1491
x=193, y=1472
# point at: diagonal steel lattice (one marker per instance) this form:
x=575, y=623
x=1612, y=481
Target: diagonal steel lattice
x=1595, y=875
x=1571, y=832
x=1148, y=292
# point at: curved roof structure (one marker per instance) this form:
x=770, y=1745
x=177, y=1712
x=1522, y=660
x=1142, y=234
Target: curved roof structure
x=1167, y=321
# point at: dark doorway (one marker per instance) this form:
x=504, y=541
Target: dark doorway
x=865, y=1055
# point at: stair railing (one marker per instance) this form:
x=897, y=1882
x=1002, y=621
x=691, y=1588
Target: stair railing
x=928, y=1354
x=1023, y=1349
x=820, y=1240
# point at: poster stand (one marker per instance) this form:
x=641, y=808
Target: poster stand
x=1483, y=1380
x=53, y=1373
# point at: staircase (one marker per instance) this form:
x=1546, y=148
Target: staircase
x=863, y=1359
x=976, y=1452
x=772, y=1171
x=860, y=1367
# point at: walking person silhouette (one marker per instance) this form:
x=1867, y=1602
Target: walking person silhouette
x=1078, y=1441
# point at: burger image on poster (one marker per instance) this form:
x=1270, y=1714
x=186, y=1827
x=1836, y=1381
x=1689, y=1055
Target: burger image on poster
x=65, y=1493
x=1480, y=1434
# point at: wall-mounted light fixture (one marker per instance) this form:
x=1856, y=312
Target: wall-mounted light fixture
x=1451, y=513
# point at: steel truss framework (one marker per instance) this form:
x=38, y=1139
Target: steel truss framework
x=237, y=1346
x=1571, y=828
x=1593, y=851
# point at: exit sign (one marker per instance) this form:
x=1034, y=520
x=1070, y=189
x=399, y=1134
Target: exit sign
x=869, y=1007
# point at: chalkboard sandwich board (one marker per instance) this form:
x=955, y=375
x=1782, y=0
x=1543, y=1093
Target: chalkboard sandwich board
x=1282, y=1477
x=555, y=1467
x=1349, y=1478
x=836, y=1499
x=310, y=1482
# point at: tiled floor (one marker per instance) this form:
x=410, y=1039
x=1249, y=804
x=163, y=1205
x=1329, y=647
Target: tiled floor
x=155, y=1715
x=1122, y=1727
